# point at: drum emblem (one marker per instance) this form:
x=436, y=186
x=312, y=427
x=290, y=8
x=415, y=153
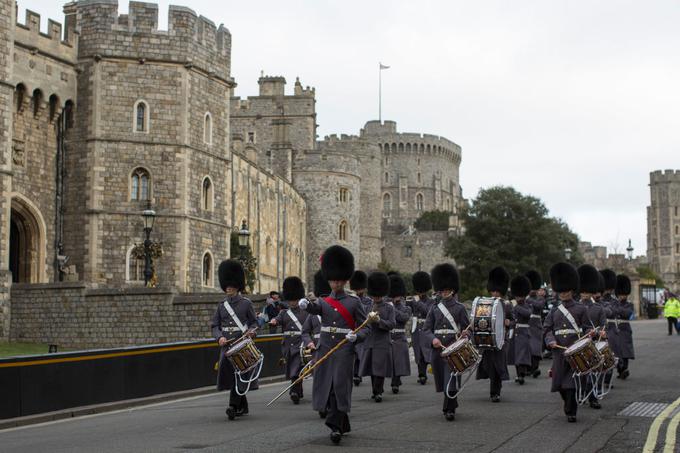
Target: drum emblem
x=483, y=324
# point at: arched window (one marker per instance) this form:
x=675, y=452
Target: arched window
x=207, y=194
x=141, y=117
x=342, y=230
x=68, y=113
x=401, y=147
x=408, y=147
x=394, y=147
x=419, y=202
x=140, y=185
x=37, y=101
x=207, y=129
x=387, y=205
x=19, y=96
x=677, y=229
x=447, y=204
x=418, y=177
x=387, y=159
x=54, y=105
x=387, y=177
x=134, y=270
x=207, y=270
x=344, y=195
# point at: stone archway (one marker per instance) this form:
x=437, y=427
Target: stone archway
x=26, y=244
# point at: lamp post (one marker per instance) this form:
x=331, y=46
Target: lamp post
x=149, y=216
x=567, y=253
x=243, y=235
x=630, y=249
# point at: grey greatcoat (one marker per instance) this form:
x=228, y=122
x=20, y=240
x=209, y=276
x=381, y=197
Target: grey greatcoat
x=521, y=341
x=336, y=372
x=376, y=359
x=401, y=359
x=623, y=311
x=311, y=332
x=421, y=348
x=537, y=305
x=292, y=339
x=367, y=302
x=434, y=322
x=597, y=313
x=223, y=325
x=497, y=358
x=554, y=322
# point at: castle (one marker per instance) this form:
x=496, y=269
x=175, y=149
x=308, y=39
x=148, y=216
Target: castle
x=663, y=226
x=107, y=116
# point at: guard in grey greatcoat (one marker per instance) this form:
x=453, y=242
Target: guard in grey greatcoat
x=420, y=307
x=590, y=281
x=609, y=302
x=440, y=332
x=401, y=360
x=494, y=366
x=521, y=340
x=358, y=284
x=340, y=314
x=291, y=322
x=623, y=312
x=536, y=301
x=560, y=333
x=376, y=360
x=226, y=329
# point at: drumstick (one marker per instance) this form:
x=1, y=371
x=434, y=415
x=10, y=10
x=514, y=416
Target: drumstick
x=560, y=347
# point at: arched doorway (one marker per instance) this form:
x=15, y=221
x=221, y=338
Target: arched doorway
x=26, y=244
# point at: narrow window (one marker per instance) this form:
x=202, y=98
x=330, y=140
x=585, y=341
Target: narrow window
x=135, y=267
x=387, y=205
x=207, y=129
x=344, y=195
x=408, y=251
x=207, y=270
x=418, y=178
x=19, y=96
x=207, y=194
x=140, y=186
x=342, y=231
x=676, y=211
x=37, y=101
x=677, y=229
x=141, y=117
x=387, y=177
x=419, y=202
x=251, y=137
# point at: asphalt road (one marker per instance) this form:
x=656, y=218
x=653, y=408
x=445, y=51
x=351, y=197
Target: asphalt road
x=529, y=418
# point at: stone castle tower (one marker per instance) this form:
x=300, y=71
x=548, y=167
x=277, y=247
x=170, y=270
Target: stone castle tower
x=663, y=226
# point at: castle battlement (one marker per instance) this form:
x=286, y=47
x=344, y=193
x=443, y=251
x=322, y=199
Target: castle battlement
x=326, y=161
x=191, y=39
x=52, y=43
x=664, y=176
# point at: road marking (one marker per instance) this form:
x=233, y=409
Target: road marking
x=670, y=434
x=653, y=434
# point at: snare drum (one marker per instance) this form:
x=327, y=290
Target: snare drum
x=488, y=322
x=461, y=356
x=244, y=355
x=583, y=356
x=608, y=358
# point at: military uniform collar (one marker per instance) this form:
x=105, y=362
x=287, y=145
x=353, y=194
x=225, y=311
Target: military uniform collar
x=233, y=299
x=568, y=303
x=337, y=296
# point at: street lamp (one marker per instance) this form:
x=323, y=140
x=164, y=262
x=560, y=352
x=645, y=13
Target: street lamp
x=630, y=249
x=243, y=236
x=149, y=216
x=567, y=253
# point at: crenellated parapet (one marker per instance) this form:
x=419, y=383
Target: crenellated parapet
x=326, y=161
x=192, y=40
x=664, y=176
x=54, y=43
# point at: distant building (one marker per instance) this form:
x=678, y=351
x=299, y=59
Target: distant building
x=663, y=226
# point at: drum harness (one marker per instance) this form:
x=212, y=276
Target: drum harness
x=455, y=330
x=237, y=373
x=597, y=380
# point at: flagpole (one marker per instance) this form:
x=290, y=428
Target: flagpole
x=380, y=93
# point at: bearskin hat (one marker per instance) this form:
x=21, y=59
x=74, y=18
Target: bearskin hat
x=609, y=278
x=231, y=273
x=535, y=278
x=358, y=280
x=397, y=286
x=378, y=284
x=589, y=279
x=564, y=277
x=421, y=282
x=293, y=289
x=499, y=279
x=445, y=276
x=622, y=285
x=600, y=286
x=321, y=286
x=520, y=286
x=337, y=263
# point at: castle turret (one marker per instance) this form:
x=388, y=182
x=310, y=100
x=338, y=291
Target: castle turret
x=663, y=226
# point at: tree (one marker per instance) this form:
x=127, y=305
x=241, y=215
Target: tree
x=648, y=273
x=433, y=221
x=506, y=228
x=248, y=261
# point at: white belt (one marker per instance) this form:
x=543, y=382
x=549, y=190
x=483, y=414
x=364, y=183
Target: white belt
x=536, y=316
x=398, y=330
x=445, y=331
x=566, y=332
x=328, y=329
x=230, y=329
x=521, y=325
x=292, y=333
x=317, y=336
x=617, y=321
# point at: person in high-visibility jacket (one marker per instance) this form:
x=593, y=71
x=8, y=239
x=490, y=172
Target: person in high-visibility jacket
x=671, y=310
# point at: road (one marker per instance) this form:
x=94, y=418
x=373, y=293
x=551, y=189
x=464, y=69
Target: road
x=529, y=418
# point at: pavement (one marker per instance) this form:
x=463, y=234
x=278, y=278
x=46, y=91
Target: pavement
x=528, y=419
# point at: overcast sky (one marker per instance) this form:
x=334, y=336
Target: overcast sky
x=574, y=102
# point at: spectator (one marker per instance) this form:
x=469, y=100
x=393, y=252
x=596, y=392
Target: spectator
x=671, y=310
x=272, y=309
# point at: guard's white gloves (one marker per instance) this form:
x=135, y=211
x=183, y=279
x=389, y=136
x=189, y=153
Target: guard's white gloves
x=303, y=303
x=351, y=337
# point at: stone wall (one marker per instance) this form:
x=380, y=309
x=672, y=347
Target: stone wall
x=663, y=226
x=414, y=251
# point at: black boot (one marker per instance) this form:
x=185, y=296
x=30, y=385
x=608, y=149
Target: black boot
x=335, y=437
x=395, y=389
x=231, y=412
x=295, y=397
x=450, y=416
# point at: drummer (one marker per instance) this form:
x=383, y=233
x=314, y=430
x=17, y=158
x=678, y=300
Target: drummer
x=291, y=321
x=444, y=323
x=494, y=366
x=521, y=341
x=234, y=318
x=609, y=302
x=563, y=327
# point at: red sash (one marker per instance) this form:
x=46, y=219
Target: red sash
x=342, y=310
